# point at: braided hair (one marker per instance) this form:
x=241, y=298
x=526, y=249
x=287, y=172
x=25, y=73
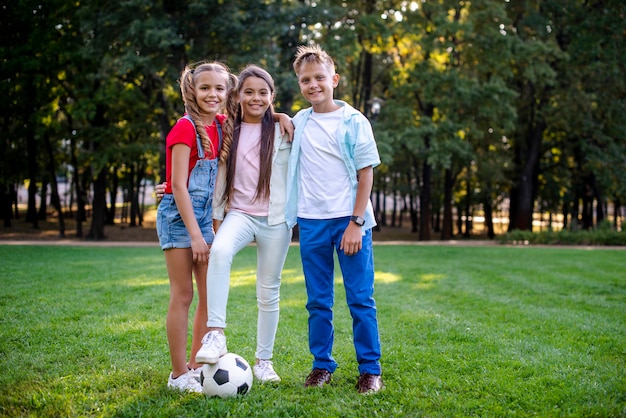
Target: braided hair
x=187, y=88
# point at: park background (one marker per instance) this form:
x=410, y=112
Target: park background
x=505, y=112
x=491, y=116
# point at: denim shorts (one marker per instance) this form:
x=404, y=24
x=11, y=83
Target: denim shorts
x=171, y=228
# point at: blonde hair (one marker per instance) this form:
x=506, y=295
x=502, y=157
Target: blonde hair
x=313, y=54
x=187, y=89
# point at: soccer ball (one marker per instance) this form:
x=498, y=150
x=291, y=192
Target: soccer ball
x=231, y=376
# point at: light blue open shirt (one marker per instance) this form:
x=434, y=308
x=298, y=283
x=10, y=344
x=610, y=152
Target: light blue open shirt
x=358, y=149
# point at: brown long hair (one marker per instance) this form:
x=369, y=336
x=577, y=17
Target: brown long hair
x=187, y=84
x=267, y=139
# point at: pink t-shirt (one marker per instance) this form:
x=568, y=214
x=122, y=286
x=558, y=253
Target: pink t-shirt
x=247, y=172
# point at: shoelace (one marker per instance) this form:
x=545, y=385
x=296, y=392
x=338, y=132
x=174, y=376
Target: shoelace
x=265, y=366
x=210, y=336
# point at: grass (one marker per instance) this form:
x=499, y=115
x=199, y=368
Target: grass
x=466, y=331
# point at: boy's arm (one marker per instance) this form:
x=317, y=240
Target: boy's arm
x=286, y=126
x=352, y=240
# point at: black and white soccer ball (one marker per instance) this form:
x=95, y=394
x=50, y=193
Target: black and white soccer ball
x=230, y=376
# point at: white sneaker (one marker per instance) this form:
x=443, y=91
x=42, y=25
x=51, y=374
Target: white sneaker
x=195, y=373
x=264, y=371
x=185, y=383
x=213, y=347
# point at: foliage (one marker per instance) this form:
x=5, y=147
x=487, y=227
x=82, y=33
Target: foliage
x=466, y=331
x=485, y=103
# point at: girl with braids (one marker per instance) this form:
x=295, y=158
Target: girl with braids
x=184, y=216
x=251, y=188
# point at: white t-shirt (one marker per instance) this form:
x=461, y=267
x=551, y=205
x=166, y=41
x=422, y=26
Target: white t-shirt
x=324, y=184
x=247, y=172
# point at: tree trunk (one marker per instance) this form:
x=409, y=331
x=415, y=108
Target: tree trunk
x=413, y=205
x=394, y=194
x=133, y=195
x=42, y=214
x=31, y=147
x=31, y=159
x=587, y=214
x=110, y=218
x=488, y=207
x=468, y=209
x=80, y=201
x=522, y=194
x=459, y=219
x=99, y=207
x=6, y=204
x=425, y=197
x=446, y=230
x=54, y=192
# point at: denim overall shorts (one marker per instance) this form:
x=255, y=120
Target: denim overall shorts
x=171, y=229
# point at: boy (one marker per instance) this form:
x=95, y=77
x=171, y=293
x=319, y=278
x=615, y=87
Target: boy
x=328, y=194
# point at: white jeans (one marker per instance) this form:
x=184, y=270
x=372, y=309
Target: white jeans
x=236, y=231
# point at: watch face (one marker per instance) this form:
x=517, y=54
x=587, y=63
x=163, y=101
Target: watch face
x=357, y=220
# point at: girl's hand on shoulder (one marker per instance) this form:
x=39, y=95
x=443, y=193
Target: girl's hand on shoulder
x=159, y=191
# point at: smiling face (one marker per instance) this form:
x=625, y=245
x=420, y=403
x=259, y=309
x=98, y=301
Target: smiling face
x=210, y=88
x=255, y=97
x=317, y=83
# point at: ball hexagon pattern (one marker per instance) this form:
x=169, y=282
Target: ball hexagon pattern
x=230, y=376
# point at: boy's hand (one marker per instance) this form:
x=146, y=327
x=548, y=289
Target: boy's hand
x=286, y=126
x=159, y=190
x=352, y=239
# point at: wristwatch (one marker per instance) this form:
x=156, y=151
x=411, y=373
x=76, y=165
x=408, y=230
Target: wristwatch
x=357, y=220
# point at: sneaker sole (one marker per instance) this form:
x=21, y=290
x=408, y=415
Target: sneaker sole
x=210, y=360
x=275, y=380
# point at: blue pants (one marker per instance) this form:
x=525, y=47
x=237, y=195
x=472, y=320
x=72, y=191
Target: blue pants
x=319, y=239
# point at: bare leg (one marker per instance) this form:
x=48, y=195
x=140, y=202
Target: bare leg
x=200, y=317
x=179, y=267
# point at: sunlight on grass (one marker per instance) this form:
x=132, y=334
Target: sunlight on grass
x=428, y=281
x=116, y=326
x=493, y=335
x=384, y=277
x=292, y=276
x=242, y=278
x=142, y=282
x=292, y=302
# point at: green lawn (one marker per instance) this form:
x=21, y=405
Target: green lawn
x=466, y=331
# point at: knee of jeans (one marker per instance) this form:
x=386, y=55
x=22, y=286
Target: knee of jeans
x=220, y=252
x=271, y=306
x=268, y=301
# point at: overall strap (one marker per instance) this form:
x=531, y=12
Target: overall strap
x=219, y=135
x=198, y=138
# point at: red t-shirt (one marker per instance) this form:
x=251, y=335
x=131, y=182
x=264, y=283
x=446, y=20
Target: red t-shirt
x=183, y=132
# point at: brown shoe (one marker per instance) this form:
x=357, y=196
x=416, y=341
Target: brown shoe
x=369, y=383
x=318, y=378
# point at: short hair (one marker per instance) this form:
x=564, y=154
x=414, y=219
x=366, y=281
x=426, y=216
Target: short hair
x=313, y=54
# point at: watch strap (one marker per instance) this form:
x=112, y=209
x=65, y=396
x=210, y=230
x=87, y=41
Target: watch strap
x=357, y=220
